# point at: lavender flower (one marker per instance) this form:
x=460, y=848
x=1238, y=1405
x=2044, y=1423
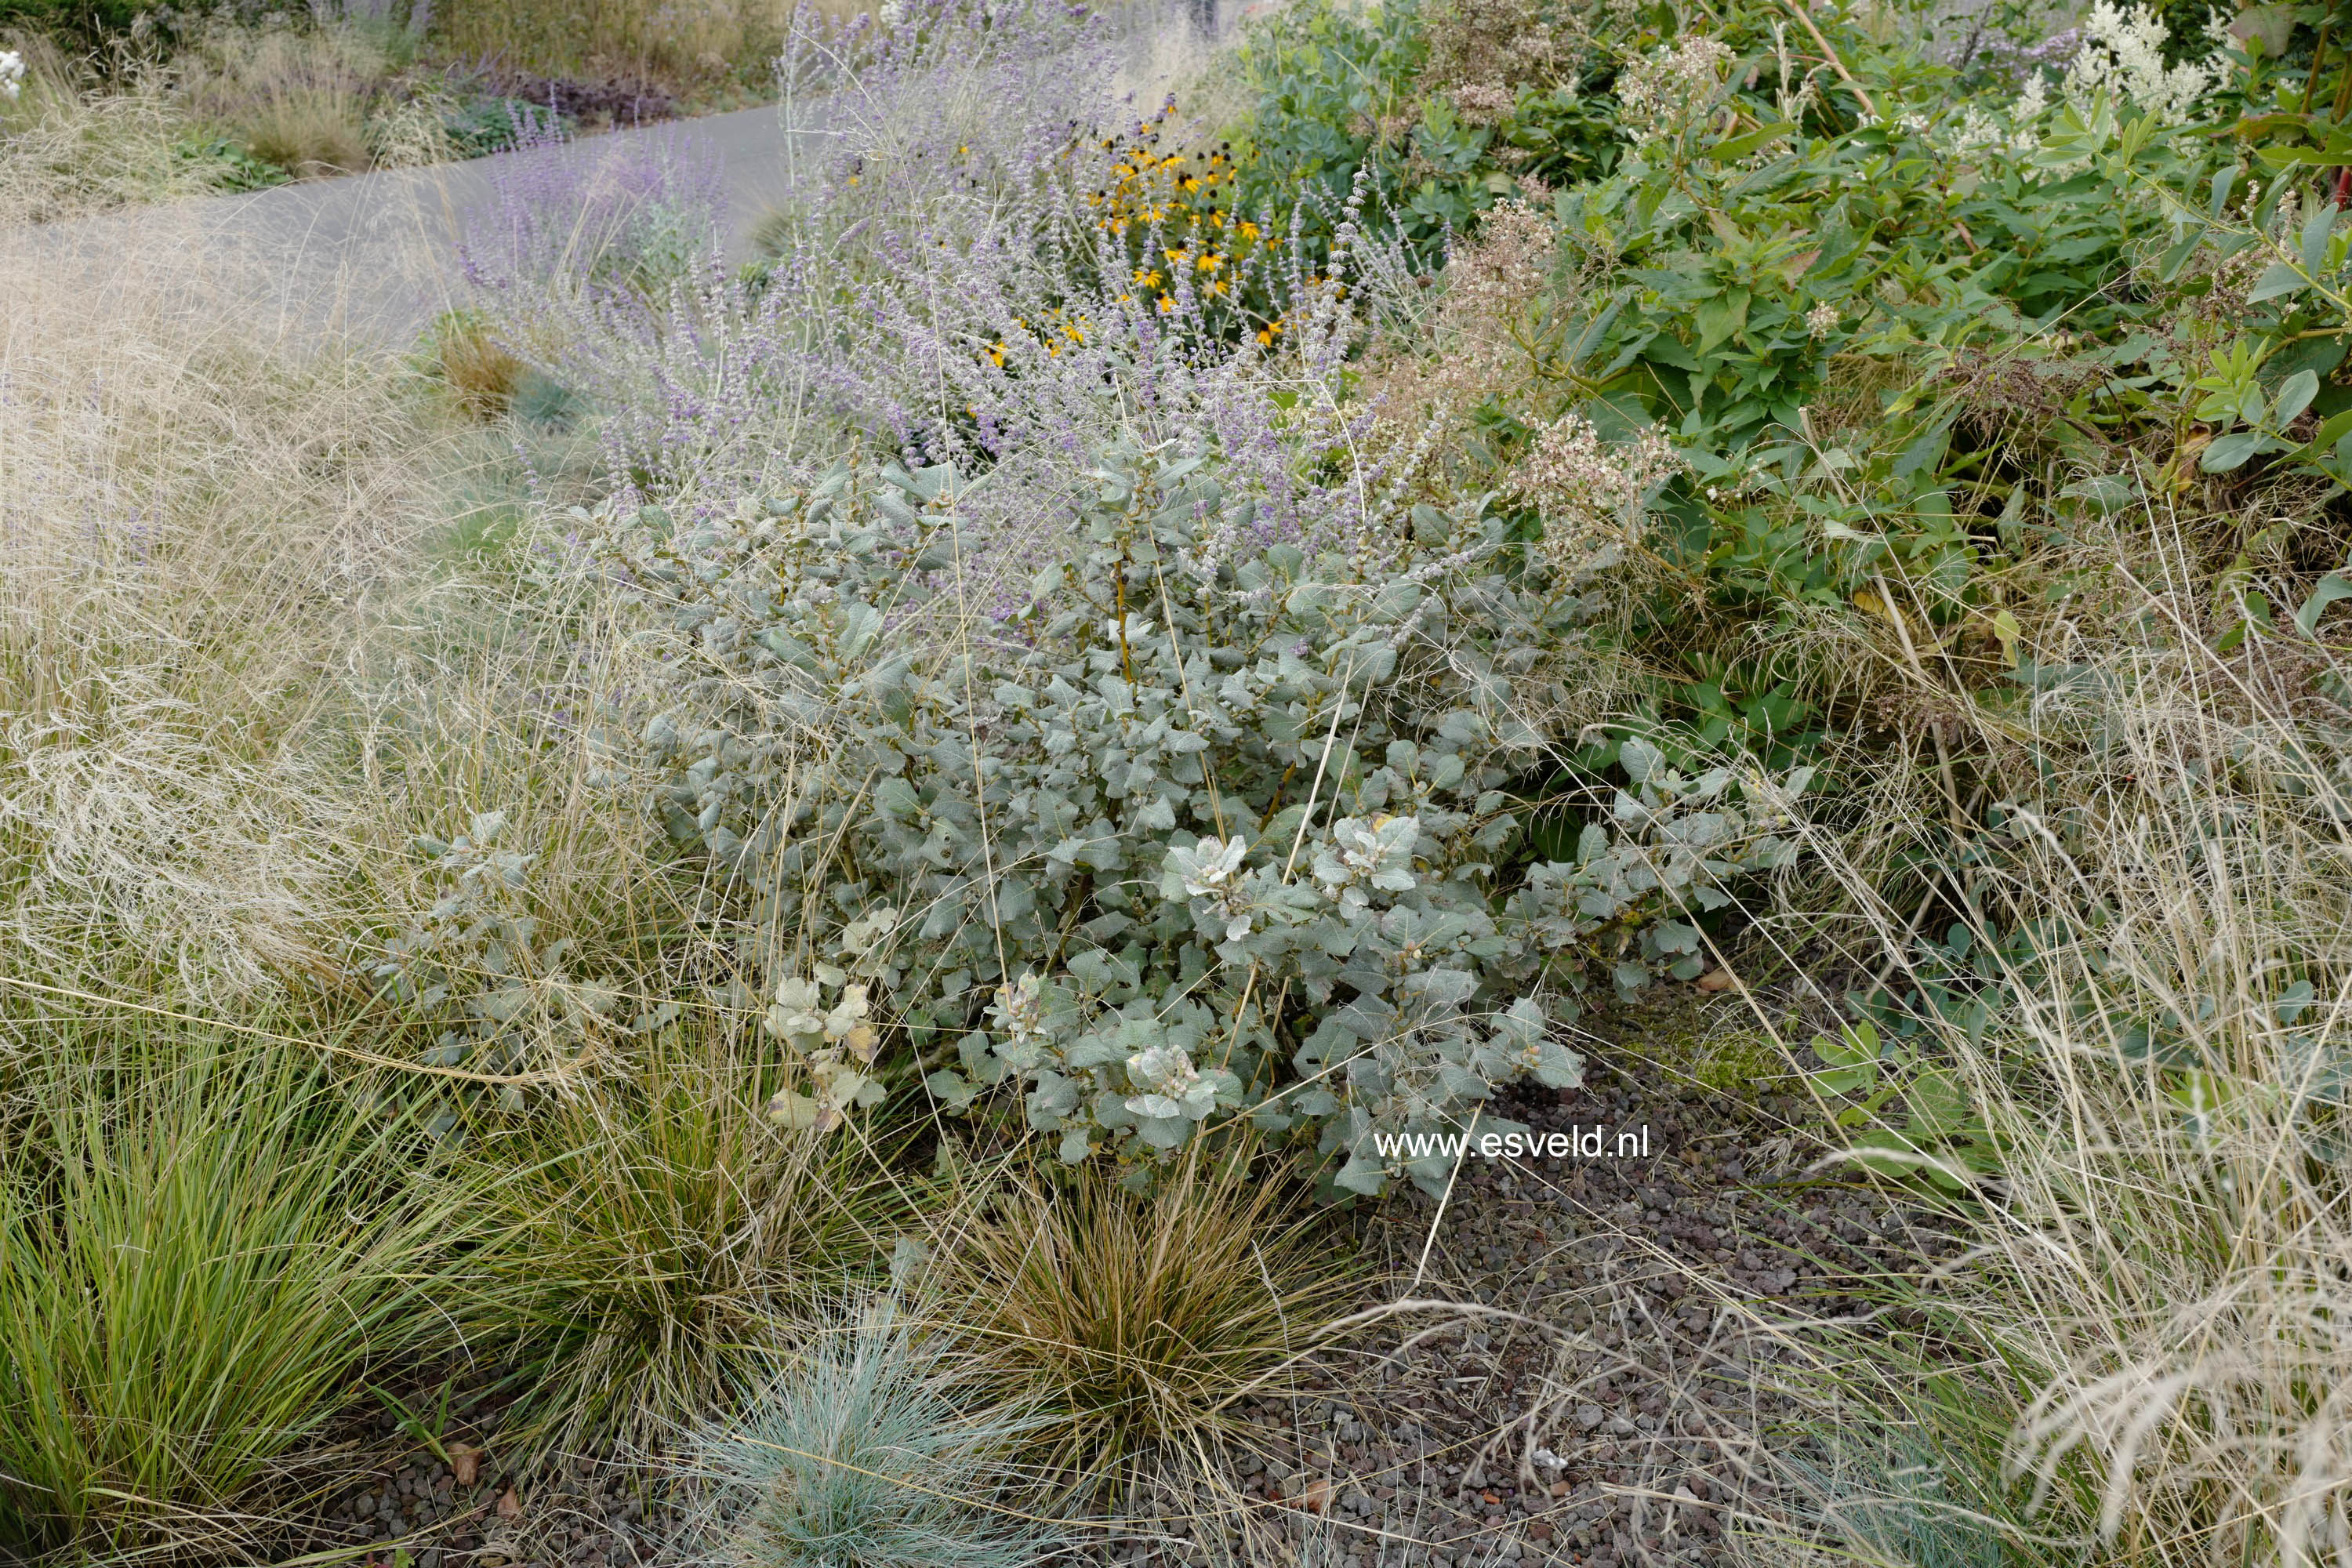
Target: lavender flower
x=941, y=289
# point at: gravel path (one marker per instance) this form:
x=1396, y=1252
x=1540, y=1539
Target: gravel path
x=442, y=1517
x=375, y=255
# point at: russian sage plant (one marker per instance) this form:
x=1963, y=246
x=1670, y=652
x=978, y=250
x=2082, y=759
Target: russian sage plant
x=567, y=216
x=1217, y=820
x=974, y=269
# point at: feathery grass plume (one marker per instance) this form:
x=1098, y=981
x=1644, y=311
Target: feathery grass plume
x=193, y=522
x=1134, y=1321
x=201, y=1244
x=2138, y=1018
x=872, y=1449
x=650, y=1233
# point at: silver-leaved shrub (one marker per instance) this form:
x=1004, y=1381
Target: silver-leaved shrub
x=474, y=966
x=1210, y=826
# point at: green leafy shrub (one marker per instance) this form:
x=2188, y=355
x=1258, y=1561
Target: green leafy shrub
x=1204, y=828
x=485, y=125
x=476, y=968
x=1914, y=1118
x=226, y=165
x=1884, y=326
x=1446, y=108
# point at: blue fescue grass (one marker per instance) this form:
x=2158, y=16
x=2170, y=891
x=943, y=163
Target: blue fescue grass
x=866, y=1452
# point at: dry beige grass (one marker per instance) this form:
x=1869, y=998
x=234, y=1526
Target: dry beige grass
x=87, y=134
x=688, y=45
x=190, y=523
x=235, y=684
x=2177, y=1249
x=297, y=98
x=2165, y=1270
x=78, y=142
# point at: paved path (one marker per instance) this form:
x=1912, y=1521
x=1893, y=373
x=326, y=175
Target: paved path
x=377, y=255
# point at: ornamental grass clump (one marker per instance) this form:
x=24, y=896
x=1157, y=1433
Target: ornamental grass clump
x=872, y=1448
x=2136, y=1027
x=1131, y=1324
x=203, y=1244
x=649, y=1235
x=74, y=139
x=298, y=98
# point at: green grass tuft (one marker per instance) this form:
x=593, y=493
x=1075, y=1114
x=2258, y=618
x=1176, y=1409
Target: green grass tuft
x=647, y=1233
x=202, y=1245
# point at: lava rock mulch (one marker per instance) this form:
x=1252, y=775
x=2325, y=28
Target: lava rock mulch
x=472, y=1513
x=1576, y=1359
x=1601, y=1359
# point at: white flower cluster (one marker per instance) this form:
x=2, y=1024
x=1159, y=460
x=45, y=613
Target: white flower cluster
x=836, y=1044
x=1483, y=102
x=1168, y=1085
x=2123, y=56
x=12, y=74
x=1593, y=494
x=1665, y=93
x=1495, y=275
x=1977, y=134
x=1020, y=1009
x=1376, y=854
x=1211, y=869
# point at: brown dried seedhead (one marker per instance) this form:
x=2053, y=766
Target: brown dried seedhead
x=1498, y=45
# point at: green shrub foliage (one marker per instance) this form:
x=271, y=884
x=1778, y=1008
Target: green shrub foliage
x=77, y=20
x=1199, y=828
